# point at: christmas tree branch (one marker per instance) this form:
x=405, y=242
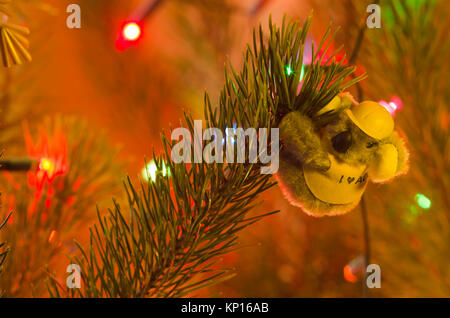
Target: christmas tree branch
x=3, y=251
x=54, y=200
x=165, y=243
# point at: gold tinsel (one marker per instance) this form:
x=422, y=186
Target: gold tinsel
x=13, y=41
x=14, y=44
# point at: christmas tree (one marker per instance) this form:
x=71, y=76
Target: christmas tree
x=174, y=229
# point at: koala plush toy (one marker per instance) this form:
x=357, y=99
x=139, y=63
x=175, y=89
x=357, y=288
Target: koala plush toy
x=324, y=168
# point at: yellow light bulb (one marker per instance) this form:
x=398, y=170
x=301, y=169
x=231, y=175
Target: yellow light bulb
x=150, y=171
x=47, y=165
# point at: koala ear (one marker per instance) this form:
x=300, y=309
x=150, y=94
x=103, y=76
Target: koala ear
x=347, y=100
x=333, y=106
x=385, y=166
x=340, y=102
x=403, y=153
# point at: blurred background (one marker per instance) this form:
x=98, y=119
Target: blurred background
x=96, y=110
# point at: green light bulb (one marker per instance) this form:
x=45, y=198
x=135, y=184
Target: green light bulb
x=423, y=201
x=288, y=70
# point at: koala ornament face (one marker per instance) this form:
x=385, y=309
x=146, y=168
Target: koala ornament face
x=347, y=142
x=325, y=170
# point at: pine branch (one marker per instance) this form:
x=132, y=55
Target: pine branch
x=3, y=250
x=168, y=241
x=50, y=206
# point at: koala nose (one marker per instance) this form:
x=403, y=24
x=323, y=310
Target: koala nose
x=342, y=141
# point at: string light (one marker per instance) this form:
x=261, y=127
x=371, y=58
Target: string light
x=47, y=165
x=289, y=70
x=150, y=170
x=354, y=270
x=393, y=106
x=130, y=34
x=131, y=31
x=423, y=201
x=348, y=274
x=227, y=135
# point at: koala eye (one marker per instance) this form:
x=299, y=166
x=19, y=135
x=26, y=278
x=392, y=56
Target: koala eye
x=371, y=144
x=342, y=141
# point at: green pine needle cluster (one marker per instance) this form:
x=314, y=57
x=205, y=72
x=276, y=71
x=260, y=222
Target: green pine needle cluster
x=166, y=242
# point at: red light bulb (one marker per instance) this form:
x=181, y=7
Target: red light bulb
x=129, y=34
x=131, y=31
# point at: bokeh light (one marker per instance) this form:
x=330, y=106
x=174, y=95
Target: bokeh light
x=393, y=106
x=47, y=165
x=348, y=274
x=289, y=70
x=423, y=201
x=150, y=171
x=131, y=31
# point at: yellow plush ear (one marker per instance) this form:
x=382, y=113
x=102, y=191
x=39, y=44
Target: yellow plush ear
x=341, y=101
x=347, y=100
x=385, y=166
